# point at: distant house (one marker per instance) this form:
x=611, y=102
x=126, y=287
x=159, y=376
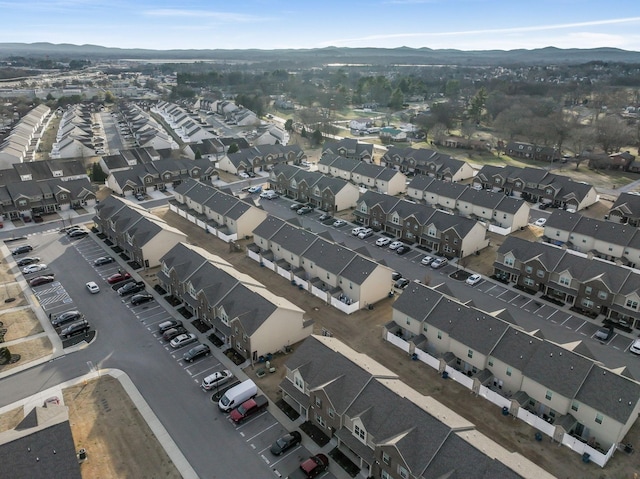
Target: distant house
x=349, y=148
x=533, y=152
x=393, y=134
x=427, y=162
x=626, y=209
x=359, y=124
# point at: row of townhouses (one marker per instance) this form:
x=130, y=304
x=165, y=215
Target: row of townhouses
x=363, y=174
x=529, y=151
x=261, y=158
x=559, y=389
x=536, y=185
x=139, y=235
x=24, y=138
x=320, y=191
x=387, y=429
x=216, y=211
x=506, y=212
x=74, y=136
x=604, y=239
x=186, y=125
x=338, y=275
x=349, y=148
x=146, y=130
x=42, y=187
x=242, y=312
x=426, y=162
x=588, y=284
x=438, y=231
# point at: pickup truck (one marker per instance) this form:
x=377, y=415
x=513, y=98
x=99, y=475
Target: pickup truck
x=311, y=467
x=249, y=408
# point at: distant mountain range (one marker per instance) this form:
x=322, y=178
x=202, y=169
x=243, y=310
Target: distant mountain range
x=384, y=56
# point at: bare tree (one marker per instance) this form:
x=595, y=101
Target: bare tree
x=612, y=133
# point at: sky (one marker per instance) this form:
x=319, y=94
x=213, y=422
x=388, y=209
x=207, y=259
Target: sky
x=275, y=24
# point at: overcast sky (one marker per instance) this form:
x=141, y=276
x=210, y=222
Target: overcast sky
x=272, y=24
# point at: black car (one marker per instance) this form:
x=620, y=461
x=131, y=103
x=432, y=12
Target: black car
x=166, y=325
x=137, y=299
x=403, y=250
x=195, y=352
x=304, y=210
x=25, y=248
x=286, y=442
x=401, y=283
x=75, y=328
x=171, y=333
x=26, y=261
x=66, y=317
x=395, y=276
x=131, y=288
x=102, y=260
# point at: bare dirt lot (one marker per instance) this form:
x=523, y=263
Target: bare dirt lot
x=20, y=324
x=363, y=332
x=29, y=350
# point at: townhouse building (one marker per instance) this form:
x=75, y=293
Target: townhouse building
x=366, y=175
x=242, y=312
x=588, y=284
x=626, y=209
x=536, y=186
x=320, y=191
x=261, y=158
x=426, y=162
x=387, y=429
x=349, y=148
x=529, y=151
x=438, y=231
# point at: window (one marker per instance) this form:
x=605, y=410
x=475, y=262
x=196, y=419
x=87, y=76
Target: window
x=509, y=261
x=509, y=371
x=404, y=474
x=439, y=334
x=408, y=320
x=331, y=412
x=631, y=304
x=299, y=383
x=63, y=196
x=318, y=402
x=599, y=418
x=574, y=406
x=385, y=475
x=490, y=362
x=587, y=290
x=432, y=232
x=565, y=281
x=548, y=395
x=602, y=295
x=320, y=420
x=529, y=282
x=358, y=432
x=587, y=303
x=425, y=327
x=470, y=353
x=528, y=269
x=540, y=273
x=386, y=458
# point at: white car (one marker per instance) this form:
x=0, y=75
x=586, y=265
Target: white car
x=216, y=379
x=365, y=233
x=427, y=260
x=93, y=287
x=395, y=245
x=268, y=194
x=183, y=340
x=338, y=223
x=473, y=279
x=540, y=222
x=34, y=268
x=635, y=347
x=384, y=241
x=357, y=230
x=243, y=174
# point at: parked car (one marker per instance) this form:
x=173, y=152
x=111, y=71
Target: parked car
x=140, y=197
x=427, y=260
x=93, y=287
x=138, y=299
x=118, y=277
x=540, y=222
x=66, y=317
x=171, y=333
x=78, y=234
x=365, y=233
x=401, y=283
x=338, y=223
x=249, y=408
x=604, y=333
x=357, y=230
x=395, y=245
x=131, y=288
x=183, y=340
x=243, y=174
x=255, y=189
x=196, y=352
x=71, y=229
x=40, y=280
x=439, y=263
x=304, y=210
x=473, y=279
x=34, y=268
x=75, y=328
x=216, y=379
x=27, y=260
x=286, y=442
x=324, y=217
x=102, y=260
x=296, y=206
x=383, y=241
x=268, y=195
x=311, y=467
x=395, y=276
x=166, y=325
x=635, y=347
x=25, y=248
x=404, y=249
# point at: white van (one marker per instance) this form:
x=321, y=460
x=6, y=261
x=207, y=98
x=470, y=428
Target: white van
x=237, y=395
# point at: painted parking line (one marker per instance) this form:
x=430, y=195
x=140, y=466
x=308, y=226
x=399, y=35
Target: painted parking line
x=261, y=432
x=246, y=423
x=562, y=323
x=492, y=286
x=217, y=365
x=280, y=458
x=578, y=328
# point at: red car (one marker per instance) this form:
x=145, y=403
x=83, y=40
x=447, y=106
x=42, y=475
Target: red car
x=311, y=467
x=39, y=280
x=116, y=278
x=249, y=408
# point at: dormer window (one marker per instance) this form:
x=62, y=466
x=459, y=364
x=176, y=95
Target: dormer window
x=57, y=173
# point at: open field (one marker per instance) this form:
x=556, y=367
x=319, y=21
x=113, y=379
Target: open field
x=20, y=324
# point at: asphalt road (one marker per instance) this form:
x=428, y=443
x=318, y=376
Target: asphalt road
x=127, y=340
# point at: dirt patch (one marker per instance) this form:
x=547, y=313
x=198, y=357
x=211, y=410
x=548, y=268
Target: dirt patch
x=118, y=441
x=12, y=291
x=20, y=324
x=10, y=419
x=29, y=351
